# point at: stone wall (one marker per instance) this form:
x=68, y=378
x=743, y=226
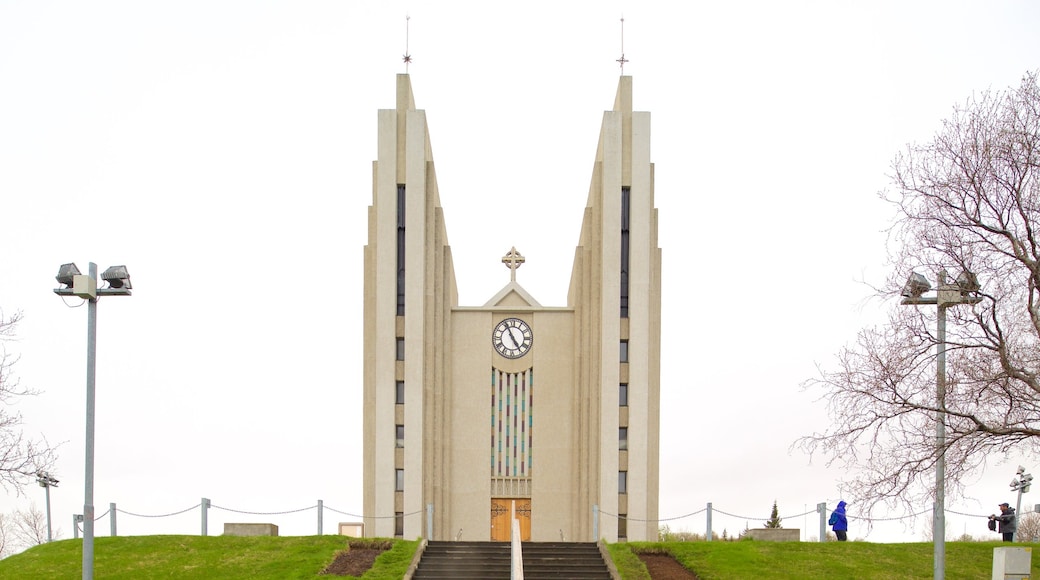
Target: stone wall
x=250, y=530
x=775, y=534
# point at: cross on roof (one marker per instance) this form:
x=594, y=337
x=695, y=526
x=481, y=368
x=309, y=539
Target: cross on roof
x=512, y=260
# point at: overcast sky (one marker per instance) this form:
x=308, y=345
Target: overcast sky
x=222, y=151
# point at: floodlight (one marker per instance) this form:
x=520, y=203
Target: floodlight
x=916, y=284
x=117, y=277
x=1020, y=470
x=968, y=282
x=66, y=273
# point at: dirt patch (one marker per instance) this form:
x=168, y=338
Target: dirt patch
x=355, y=560
x=664, y=567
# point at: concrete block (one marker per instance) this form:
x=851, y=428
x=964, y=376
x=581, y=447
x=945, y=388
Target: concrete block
x=775, y=534
x=250, y=530
x=1012, y=563
x=352, y=529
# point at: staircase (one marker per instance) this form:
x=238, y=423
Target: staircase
x=490, y=561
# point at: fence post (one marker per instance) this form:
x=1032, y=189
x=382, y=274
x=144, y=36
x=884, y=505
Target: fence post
x=429, y=521
x=112, y=519
x=205, y=516
x=822, y=509
x=595, y=522
x=76, y=519
x=321, y=511
x=707, y=534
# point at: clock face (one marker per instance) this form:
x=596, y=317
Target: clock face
x=512, y=338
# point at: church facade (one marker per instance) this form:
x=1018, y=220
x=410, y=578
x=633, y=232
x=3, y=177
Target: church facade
x=474, y=415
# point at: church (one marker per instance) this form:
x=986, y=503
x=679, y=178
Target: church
x=477, y=414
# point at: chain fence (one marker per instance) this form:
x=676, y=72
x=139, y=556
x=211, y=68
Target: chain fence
x=704, y=514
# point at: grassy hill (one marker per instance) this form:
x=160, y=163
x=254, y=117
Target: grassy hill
x=811, y=561
x=292, y=557
x=199, y=558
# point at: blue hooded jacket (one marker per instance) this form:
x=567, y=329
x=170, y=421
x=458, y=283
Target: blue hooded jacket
x=838, y=520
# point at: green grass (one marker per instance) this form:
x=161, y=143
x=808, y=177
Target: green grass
x=303, y=558
x=812, y=561
x=200, y=558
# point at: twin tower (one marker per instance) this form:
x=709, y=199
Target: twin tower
x=474, y=415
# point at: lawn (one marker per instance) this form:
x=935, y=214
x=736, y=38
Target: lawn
x=200, y=558
x=810, y=561
x=304, y=557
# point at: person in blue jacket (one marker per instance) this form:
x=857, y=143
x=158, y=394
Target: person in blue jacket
x=839, y=523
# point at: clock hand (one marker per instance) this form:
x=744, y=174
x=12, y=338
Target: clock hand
x=515, y=340
x=509, y=334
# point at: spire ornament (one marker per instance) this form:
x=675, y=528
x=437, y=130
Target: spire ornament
x=512, y=260
x=407, y=56
x=622, y=60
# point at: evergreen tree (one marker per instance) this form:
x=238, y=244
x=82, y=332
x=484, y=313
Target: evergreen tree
x=774, y=518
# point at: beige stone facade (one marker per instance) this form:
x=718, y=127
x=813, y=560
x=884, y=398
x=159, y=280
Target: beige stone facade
x=476, y=412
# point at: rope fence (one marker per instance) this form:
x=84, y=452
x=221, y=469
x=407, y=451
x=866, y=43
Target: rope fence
x=708, y=511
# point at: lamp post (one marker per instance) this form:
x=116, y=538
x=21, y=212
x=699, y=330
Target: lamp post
x=47, y=481
x=962, y=291
x=85, y=286
x=1020, y=484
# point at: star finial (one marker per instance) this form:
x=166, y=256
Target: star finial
x=407, y=57
x=512, y=260
x=622, y=60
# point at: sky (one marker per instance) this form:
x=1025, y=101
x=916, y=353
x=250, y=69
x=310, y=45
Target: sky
x=223, y=152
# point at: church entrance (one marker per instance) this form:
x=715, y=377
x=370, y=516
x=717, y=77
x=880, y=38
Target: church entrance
x=500, y=525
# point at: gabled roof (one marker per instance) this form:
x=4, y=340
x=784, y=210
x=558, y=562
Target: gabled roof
x=512, y=295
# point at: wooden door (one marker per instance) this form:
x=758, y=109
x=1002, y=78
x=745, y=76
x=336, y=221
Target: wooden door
x=500, y=525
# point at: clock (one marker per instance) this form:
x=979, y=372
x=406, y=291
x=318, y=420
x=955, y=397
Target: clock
x=512, y=338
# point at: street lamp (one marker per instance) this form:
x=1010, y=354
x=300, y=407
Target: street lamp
x=964, y=290
x=1021, y=485
x=85, y=286
x=47, y=481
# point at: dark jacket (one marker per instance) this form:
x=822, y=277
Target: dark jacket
x=838, y=520
x=1007, y=521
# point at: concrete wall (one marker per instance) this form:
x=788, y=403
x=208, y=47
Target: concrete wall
x=775, y=534
x=250, y=530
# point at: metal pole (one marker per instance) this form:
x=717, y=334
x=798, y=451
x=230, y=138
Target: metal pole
x=822, y=509
x=48, y=488
x=205, y=514
x=939, y=516
x=112, y=519
x=76, y=519
x=595, y=522
x=707, y=532
x=429, y=521
x=88, y=486
x=321, y=512
x=1018, y=508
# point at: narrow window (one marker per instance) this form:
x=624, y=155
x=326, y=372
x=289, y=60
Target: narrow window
x=624, y=351
x=399, y=479
x=399, y=436
x=400, y=250
x=623, y=394
x=400, y=348
x=622, y=482
x=625, y=212
x=399, y=395
x=622, y=527
x=399, y=524
x=623, y=438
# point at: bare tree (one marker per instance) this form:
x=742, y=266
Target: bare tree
x=968, y=200
x=1028, y=528
x=6, y=549
x=20, y=458
x=29, y=527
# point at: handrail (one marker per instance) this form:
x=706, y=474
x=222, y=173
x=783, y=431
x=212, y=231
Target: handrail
x=516, y=568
